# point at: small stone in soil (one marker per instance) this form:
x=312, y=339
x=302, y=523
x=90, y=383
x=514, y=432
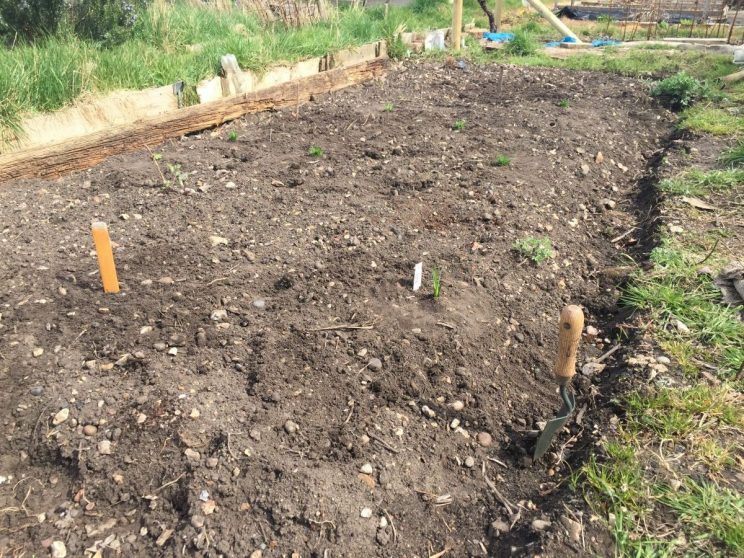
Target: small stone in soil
x=58, y=549
x=37, y=391
x=104, y=447
x=457, y=405
x=197, y=521
x=428, y=412
x=291, y=427
x=484, y=439
x=366, y=513
x=375, y=364
x=61, y=416
x=37, y=352
x=212, y=462
x=90, y=430
x=497, y=528
x=469, y=462
x=540, y=524
x=259, y=303
x=366, y=469
x=192, y=455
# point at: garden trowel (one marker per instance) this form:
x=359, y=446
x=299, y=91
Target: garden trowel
x=569, y=333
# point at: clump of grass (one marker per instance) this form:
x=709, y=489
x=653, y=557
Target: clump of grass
x=734, y=157
x=501, y=161
x=675, y=291
x=712, y=120
x=537, y=250
x=459, y=125
x=436, y=281
x=680, y=91
x=315, y=151
x=563, y=103
x=232, y=136
x=523, y=44
x=389, y=107
x=696, y=182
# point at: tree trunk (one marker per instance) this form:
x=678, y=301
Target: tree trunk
x=489, y=15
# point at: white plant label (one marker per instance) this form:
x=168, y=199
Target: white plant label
x=418, y=271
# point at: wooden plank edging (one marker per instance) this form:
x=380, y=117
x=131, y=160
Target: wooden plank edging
x=87, y=151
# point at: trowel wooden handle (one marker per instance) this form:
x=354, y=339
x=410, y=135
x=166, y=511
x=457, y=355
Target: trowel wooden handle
x=571, y=324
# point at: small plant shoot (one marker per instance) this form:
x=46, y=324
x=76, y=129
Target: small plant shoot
x=232, y=136
x=315, y=151
x=459, y=125
x=436, y=281
x=563, y=103
x=389, y=107
x=502, y=161
x=537, y=250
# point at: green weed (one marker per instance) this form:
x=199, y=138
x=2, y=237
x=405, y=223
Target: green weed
x=523, y=44
x=679, y=91
x=537, y=250
x=563, y=103
x=459, y=125
x=232, y=136
x=315, y=151
x=389, y=107
x=175, y=171
x=501, y=161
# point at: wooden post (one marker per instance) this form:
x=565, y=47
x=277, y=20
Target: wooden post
x=499, y=13
x=105, y=255
x=457, y=26
x=733, y=24
x=554, y=21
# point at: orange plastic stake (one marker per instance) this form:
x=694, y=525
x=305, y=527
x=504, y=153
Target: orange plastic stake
x=105, y=257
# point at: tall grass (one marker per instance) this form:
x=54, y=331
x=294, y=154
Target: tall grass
x=183, y=43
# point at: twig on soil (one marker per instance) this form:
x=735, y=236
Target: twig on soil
x=213, y=281
x=167, y=484
x=504, y=501
x=440, y=554
x=321, y=523
x=445, y=324
x=608, y=353
x=705, y=259
x=619, y=238
x=497, y=461
x=344, y=326
x=229, y=449
x=351, y=412
x=383, y=443
x=390, y=520
x=79, y=336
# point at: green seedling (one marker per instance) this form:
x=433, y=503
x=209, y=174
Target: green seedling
x=459, y=125
x=537, y=250
x=157, y=156
x=563, y=103
x=501, y=161
x=389, y=107
x=436, y=281
x=232, y=136
x=315, y=151
x=175, y=171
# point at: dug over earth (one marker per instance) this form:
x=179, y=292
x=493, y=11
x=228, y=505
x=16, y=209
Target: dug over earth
x=267, y=382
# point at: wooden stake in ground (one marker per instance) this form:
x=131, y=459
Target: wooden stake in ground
x=457, y=25
x=499, y=13
x=552, y=19
x=105, y=257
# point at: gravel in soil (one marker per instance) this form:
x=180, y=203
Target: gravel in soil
x=267, y=381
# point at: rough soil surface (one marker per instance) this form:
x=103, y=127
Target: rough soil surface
x=267, y=380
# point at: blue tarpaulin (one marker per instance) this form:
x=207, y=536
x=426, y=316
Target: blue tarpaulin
x=553, y=44
x=498, y=37
x=605, y=42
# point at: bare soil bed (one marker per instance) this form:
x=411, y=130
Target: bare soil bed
x=217, y=407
